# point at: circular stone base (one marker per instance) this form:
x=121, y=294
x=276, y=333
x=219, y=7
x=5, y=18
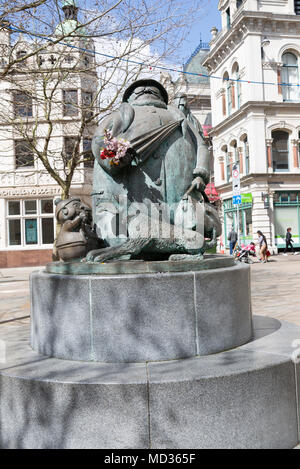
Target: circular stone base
x=208, y=262
x=140, y=317
x=243, y=398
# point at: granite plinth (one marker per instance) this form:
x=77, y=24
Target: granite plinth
x=243, y=398
x=213, y=261
x=140, y=317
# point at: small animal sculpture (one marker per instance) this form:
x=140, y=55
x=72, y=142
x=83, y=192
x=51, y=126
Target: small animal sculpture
x=77, y=236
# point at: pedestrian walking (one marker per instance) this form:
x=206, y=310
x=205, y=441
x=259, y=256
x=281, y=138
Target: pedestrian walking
x=232, y=238
x=289, y=242
x=263, y=247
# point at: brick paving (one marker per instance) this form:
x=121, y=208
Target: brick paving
x=276, y=288
x=14, y=294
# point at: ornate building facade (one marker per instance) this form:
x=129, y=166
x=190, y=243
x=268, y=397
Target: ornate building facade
x=255, y=112
x=194, y=83
x=66, y=79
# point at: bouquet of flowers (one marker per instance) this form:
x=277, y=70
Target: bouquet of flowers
x=115, y=148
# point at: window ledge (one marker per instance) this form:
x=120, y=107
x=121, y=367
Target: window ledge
x=31, y=169
x=27, y=248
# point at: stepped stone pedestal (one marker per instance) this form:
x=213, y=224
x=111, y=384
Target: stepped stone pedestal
x=148, y=360
x=140, y=317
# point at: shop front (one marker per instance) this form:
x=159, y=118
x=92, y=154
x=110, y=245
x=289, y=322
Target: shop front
x=287, y=215
x=231, y=213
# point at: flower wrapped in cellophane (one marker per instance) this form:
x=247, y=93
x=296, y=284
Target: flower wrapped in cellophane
x=115, y=148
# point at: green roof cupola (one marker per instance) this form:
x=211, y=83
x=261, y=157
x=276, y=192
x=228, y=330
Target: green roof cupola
x=70, y=26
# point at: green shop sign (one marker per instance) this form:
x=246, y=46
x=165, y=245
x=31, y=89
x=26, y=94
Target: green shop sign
x=246, y=198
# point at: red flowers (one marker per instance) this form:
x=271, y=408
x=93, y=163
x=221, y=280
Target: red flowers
x=107, y=154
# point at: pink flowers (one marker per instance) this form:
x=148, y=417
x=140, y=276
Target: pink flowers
x=115, y=148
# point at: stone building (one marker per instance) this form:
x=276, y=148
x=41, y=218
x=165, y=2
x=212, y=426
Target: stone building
x=257, y=125
x=27, y=191
x=195, y=84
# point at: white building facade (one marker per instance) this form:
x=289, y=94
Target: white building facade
x=27, y=191
x=254, y=66
x=194, y=84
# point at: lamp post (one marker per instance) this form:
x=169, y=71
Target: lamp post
x=236, y=190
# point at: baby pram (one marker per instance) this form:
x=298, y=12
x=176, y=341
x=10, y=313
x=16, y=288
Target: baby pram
x=245, y=253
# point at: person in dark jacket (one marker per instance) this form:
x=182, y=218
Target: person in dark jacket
x=289, y=242
x=232, y=238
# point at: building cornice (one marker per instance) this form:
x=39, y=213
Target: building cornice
x=274, y=179
x=251, y=106
x=247, y=22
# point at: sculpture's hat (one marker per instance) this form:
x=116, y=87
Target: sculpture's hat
x=60, y=204
x=145, y=82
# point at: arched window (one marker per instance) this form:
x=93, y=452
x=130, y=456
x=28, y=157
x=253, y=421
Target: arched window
x=228, y=165
x=246, y=155
x=297, y=161
x=228, y=19
x=235, y=156
x=237, y=86
x=228, y=87
x=280, y=151
x=290, y=77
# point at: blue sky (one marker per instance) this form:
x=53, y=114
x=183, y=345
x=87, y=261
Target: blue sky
x=210, y=17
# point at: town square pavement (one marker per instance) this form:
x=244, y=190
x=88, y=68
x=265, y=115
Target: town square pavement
x=275, y=290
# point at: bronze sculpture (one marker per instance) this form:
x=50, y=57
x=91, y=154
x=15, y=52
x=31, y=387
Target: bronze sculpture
x=151, y=170
x=76, y=237
x=167, y=165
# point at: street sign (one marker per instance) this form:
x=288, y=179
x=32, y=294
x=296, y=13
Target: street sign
x=237, y=200
x=235, y=173
x=247, y=198
x=236, y=186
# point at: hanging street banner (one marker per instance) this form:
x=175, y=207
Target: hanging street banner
x=247, y=198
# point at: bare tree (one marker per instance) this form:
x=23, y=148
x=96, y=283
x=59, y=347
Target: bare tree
x=57, y=82
x=11, y=7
